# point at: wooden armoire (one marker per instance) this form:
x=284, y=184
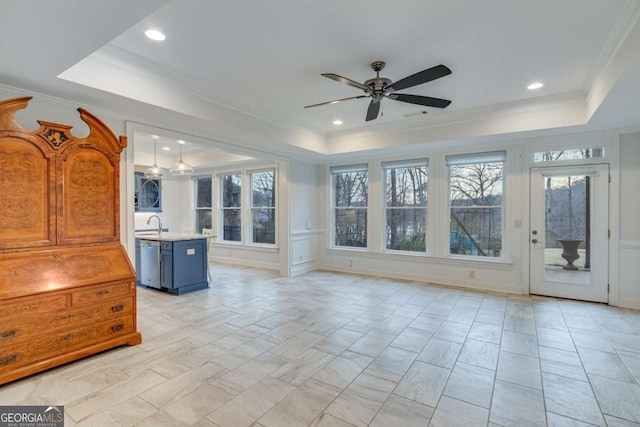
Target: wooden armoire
x=67, y=288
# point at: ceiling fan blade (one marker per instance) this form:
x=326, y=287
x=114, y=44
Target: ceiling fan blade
x=421, y=77
x=346, y=81
x=373, y=110
x=427, y=101
x=335, y=101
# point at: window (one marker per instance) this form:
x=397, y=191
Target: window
x=476, y=204
x=202, y=202
x=350, y=198
x=573, y=154
x=231, y=195
x=263, y=206
x=406, y=205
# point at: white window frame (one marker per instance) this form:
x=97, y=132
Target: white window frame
x=196, y=208
x=399, y=164
x=249, y=176
x=333, y=171
x=220, y=176
x=469, y=159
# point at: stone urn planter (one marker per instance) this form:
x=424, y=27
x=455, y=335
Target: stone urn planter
x=570, y=252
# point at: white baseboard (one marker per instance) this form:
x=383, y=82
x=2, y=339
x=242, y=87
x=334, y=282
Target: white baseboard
x=301, y=268
x=629, y=303
x=245, y=262
x=472, y=284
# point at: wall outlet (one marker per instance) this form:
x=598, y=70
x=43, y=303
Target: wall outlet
x=349, y=263
x=307, y=224
x=517, y=223
x=472, y=274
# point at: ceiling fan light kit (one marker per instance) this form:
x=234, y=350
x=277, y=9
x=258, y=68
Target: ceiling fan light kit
x=378, y=88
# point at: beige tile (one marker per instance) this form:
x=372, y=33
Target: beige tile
x=326, y=420
x=479, y=353
x=605, y=364
x=251, y=404
x=339, y=341
x=571, y=398
x=561, y=362
x=246, y=375
x=297, y=345
x=519, y=369
x=342, y=370
x=129, y=412
x=450, y=331
x=594, y=340
x=177, y=387
x=517, y=405
x=302, y=406
x=391, y=364
x=617, y=422
x=423, y=383
x=197, y=404
x=471, y=384
x=372, y=343
x=440, y=352
x=524, y=344
x=113, y=395
x=359, y=403
x=455, y=413
x=398, y=411
x=617, y=398
x=412, y=339
x=297, y=371
x=486, y=332
x=557, y=339
x=555, y=420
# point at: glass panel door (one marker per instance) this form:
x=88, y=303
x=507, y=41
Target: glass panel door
x=569, y=232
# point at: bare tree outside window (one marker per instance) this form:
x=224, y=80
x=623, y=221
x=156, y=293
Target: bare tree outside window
x=476, y=204
x=231, y=191
x=406, y=205
x=350, y=207
x=203, y=202
x=263, y=206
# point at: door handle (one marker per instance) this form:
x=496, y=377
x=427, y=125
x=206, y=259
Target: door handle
x=535, y=241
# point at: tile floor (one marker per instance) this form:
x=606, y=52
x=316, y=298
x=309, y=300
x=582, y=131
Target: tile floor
x=328, y=349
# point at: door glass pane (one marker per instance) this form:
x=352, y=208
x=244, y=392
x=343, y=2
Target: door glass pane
x=567, y=229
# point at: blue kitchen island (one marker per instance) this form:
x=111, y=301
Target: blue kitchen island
x=172, y=262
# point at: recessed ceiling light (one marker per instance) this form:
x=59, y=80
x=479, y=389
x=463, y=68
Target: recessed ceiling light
x=181, y=142
x=154, y=35
x=166, y=148
x=535, y=85
x=337, y=122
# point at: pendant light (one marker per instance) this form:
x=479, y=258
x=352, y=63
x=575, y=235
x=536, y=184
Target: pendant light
x=155, y=171
x=181, y=167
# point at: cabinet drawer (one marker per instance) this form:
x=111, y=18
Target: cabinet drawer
x=34, y=305
x=50, y=344
x=100, y=293
x=15, y=331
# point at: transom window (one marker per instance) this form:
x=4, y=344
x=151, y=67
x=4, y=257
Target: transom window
x=476, y=203
x=406, y=205
x=572, y=154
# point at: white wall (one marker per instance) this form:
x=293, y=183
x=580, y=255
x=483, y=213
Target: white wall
x=303, y=214
x=629, y=244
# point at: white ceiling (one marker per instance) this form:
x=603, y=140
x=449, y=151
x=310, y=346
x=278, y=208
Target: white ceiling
x=241, y=74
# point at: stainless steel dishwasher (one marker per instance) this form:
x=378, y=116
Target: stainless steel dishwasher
x=150, y=263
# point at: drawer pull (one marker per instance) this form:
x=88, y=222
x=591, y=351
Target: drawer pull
x=69, y=316
x=56, y=256
x=8, y=359
x=102, y=292
x=8, y=334
x=117, y=308
x=68, y=337
x=117, y=327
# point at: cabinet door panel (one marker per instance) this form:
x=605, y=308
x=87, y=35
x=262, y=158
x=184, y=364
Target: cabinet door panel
x=27, y=189
x=89, y=201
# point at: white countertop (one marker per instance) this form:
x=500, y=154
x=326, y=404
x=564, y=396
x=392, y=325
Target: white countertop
x=168, y=236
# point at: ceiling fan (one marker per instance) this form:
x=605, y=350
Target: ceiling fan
x=380, y=87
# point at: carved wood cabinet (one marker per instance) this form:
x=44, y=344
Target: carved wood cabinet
x=67, y=288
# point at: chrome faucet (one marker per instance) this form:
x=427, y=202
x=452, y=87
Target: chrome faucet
x=159, y=223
